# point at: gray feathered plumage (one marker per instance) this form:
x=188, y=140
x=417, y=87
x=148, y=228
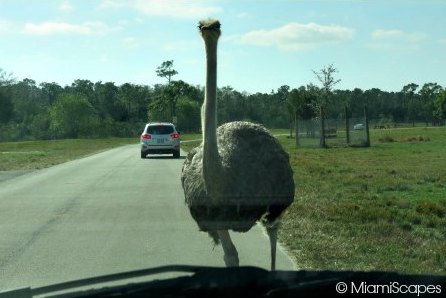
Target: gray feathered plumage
x=256, y=175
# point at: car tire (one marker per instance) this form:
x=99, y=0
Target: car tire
x=176, y=154
x=143, y=154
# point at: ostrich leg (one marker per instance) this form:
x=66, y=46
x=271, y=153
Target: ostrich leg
x=272, y=234
x=231, y=254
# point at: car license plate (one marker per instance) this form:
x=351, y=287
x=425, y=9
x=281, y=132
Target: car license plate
x=160, y=141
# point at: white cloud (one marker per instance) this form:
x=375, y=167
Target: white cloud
x=396, y=40
x=5, y=26
x=66, y=6
x=395, y=35
x=295, y=36
x=130, y=42
x=176, y=9
x=53, y=28
x=113, y=3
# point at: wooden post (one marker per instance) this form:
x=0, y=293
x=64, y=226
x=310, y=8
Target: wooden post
x=367, y=144
x=322, y=139
x=296, y=127
x=347, y=126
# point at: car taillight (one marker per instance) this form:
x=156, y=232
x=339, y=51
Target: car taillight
x=175, y=136
x=146, y=136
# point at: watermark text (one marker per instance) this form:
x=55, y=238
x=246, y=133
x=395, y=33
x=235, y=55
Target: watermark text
x=390, y=288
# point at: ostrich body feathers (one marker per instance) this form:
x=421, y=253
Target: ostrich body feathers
x=256, y=178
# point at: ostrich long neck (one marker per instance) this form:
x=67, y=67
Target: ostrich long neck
x=211, y=158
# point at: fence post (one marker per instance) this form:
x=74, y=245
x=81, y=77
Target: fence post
x=367, y=144
x=296, y=127
x=322, y=133
x=347, y=126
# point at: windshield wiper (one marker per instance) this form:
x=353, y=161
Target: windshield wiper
x=243, y=282
x=31, y=292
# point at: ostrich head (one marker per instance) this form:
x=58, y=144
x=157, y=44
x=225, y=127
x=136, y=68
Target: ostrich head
x=210, y=29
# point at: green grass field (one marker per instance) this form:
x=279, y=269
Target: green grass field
x=32, y=155
x=377, y=208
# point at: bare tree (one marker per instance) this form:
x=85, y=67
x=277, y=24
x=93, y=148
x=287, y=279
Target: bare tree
x=6, y=78
x=166, y=70
x=325, y=76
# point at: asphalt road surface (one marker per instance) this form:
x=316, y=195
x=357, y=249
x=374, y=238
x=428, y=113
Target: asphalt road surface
x=106, y=213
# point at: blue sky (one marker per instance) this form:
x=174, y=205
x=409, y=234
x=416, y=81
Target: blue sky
x=264, y=44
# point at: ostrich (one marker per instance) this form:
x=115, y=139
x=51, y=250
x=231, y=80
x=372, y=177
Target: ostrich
x=239, y=174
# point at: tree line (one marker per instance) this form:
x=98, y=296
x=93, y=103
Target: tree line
x=85, y=109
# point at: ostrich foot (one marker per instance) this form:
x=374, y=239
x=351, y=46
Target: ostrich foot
x=231, y=254
x=231, y=261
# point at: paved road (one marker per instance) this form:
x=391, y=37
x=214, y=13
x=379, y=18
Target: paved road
x=106, y=213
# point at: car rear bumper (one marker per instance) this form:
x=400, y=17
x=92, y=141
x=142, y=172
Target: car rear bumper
x=160, y=149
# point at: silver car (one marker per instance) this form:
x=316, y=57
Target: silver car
x=160, y=138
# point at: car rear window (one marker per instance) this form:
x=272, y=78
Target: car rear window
x=160, y=129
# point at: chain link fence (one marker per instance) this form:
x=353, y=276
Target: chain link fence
x=339, y=132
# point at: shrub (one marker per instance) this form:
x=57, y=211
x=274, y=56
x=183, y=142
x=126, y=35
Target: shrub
x=386, y=139
x=418, y=138
x=434, y=208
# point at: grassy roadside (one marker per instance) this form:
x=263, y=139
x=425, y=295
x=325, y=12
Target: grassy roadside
x=32, y=155
x=378, y=208
x=374, y=208
x=191, y=137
